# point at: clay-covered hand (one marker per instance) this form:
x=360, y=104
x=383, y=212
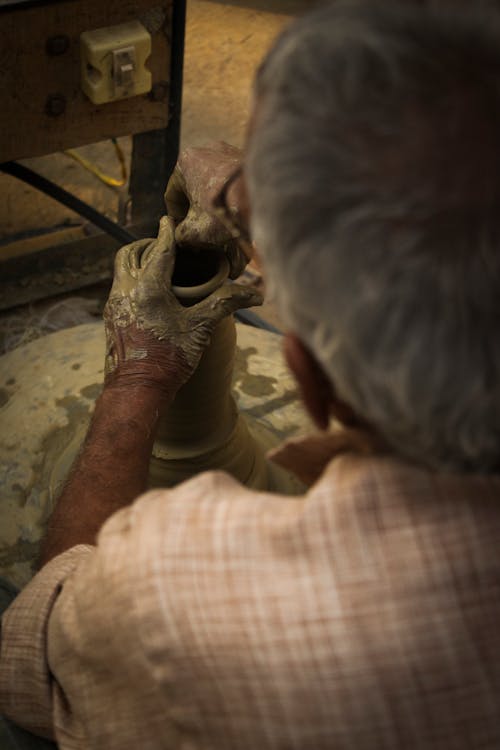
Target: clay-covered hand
x=151, y=339
x=197, y=179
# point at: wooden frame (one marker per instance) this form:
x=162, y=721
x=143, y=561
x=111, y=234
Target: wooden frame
x=30, y=31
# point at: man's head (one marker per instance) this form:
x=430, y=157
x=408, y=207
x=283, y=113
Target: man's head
x=373, y=170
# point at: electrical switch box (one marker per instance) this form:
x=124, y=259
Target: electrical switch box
x=44, y=108
x=113, y=62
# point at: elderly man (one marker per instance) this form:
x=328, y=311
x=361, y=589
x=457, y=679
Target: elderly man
x=364, y=614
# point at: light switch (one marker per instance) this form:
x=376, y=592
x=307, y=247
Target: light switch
x=114, y=62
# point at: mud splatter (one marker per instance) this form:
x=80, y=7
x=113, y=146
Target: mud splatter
x=55, y=444
x=4, y=397
x=252, y=385
x=19, y=493
x=274, y=404
x=22, y=551
x=92, y=391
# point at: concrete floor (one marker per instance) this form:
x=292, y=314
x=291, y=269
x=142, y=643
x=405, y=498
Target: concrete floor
x=225, y=42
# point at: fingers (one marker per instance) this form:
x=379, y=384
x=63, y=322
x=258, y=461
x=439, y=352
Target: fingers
x=237, y=260
x=159, y=258
x=128, y=258
x=136, y=253
x=226, y=300
x=155, y=254
x=204, y=170
x=200, y=230
x=176, y=199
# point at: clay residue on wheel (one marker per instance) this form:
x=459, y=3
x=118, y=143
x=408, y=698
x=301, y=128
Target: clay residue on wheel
x=20, y=552
x=55, y=443
x=92, y=391
x=252, y=385
x=280, y=402
x=58, y=448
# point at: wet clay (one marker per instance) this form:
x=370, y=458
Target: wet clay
x=143, y=297
x=203, y=429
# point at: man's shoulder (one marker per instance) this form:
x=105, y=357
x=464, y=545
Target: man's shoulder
x=371, y=529
x=376, y=498
x=346, y=583
x=236, y=600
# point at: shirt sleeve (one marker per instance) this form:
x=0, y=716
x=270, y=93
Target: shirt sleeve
x=72, y=666
x=110, y=648
x=25, y=679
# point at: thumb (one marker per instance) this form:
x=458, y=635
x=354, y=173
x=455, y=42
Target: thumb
x=226, y=300
x=201, y=230
x=176, y=197
x=160, y=256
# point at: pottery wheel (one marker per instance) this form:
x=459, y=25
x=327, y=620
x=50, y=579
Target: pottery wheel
x=47, y=392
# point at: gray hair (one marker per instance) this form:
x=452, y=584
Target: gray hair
x=374, y=179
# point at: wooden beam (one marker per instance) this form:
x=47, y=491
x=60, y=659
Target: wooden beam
x=43, y=108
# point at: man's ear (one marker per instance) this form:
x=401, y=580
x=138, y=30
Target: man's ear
x=316, y=390
x=314, y=386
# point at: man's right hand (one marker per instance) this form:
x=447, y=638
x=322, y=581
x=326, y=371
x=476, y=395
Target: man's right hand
x=152, y=339
x=197, y=179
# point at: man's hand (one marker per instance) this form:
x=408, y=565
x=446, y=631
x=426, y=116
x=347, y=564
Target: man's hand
x=197, y=179
x=152, y=340
x=153, y=346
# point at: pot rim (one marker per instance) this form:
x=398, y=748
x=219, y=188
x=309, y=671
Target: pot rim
x=200, y=291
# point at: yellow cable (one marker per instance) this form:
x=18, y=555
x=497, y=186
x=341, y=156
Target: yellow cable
x=90, y=167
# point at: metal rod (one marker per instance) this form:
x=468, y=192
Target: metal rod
x=67, y=199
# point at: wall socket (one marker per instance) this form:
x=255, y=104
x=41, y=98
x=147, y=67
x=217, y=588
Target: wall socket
x=113, y=62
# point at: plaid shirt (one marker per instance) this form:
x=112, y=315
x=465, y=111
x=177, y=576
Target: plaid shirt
x=363, y=615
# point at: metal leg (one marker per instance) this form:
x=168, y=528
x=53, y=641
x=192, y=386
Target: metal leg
x=154, y=154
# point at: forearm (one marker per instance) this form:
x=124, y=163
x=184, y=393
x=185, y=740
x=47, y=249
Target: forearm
x=153, y=345
x=111, y=470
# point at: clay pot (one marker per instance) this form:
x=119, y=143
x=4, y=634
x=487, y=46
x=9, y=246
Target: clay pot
x=203, y=429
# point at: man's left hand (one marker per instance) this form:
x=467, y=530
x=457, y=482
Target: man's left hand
x=198, y=177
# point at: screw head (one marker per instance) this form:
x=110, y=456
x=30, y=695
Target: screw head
x=55, y=105
x=57, y=45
